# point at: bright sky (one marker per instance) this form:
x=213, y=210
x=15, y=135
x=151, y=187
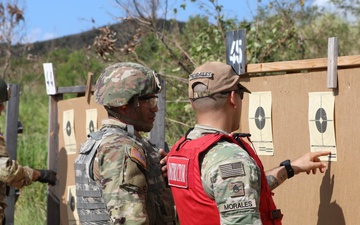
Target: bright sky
x=48, y=19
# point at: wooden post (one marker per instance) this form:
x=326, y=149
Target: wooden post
x=332, y=62
x=12, y=118
x=88, y=87
x=53, y=198
x=157, y=134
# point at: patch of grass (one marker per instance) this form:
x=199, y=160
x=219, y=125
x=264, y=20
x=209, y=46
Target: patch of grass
x=32, y=152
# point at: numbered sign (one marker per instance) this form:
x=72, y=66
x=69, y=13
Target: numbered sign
x=236, y=50
x=49, y=79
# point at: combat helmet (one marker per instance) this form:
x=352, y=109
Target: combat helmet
x=4, y=91
x=120, y=82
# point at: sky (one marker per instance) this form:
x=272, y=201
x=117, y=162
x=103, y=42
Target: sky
x=49, y=19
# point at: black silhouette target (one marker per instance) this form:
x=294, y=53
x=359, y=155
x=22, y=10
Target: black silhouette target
x=91, y=126
x=260, y=118
x=321, y=120
x=68, y=128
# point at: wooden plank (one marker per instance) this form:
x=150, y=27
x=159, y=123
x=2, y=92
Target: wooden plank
x=88, y=86
x=53, y=207
x=349, y=61
x=332, y=62
x=300, y=65
x=72, y=89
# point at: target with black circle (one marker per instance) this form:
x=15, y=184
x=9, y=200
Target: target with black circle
x=68, y=128
x=69, y=132
x=321, y=122
x=91, y=120
x=91, y=126
x=71, y=205
x=260, y=122
x=260, y=118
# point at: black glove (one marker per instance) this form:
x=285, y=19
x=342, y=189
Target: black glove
x=47, y=176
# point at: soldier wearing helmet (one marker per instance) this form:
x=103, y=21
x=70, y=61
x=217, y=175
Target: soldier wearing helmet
x=11, y=173
x=127, y=84
x=126, y=166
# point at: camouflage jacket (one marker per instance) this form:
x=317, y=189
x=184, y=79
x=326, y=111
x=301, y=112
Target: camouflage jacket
x=128, y=170
x=222, y=190
x=11, y=174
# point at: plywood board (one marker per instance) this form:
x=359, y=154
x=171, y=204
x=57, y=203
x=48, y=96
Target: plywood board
x=321, y=199
x=75, y=118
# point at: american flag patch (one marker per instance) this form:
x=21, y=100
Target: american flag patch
x=136, y=154
x=232, y=170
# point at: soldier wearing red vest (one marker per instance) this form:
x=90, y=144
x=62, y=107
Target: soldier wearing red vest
x=215, y=176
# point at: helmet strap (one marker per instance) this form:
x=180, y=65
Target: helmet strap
x=113, y=113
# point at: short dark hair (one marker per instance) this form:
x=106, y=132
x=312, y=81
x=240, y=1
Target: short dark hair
x=213, y=102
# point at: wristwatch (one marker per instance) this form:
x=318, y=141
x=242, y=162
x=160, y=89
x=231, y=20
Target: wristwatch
x=288, y=167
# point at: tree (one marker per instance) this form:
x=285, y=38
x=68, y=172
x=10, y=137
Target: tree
x=11, y=18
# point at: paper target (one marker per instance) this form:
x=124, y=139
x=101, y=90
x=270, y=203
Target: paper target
x=321, y=123
x=69, y=132
x=71, y=205
x=91, y=120
x=260, y=122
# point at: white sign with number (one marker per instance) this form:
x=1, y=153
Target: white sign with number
x=235, y=52
x=49, y=79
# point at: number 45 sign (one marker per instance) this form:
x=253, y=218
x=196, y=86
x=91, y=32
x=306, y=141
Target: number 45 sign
x=236, y=50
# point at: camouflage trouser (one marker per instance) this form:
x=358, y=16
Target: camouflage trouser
x=3, y=155
x=2, y=203
x=2, y=212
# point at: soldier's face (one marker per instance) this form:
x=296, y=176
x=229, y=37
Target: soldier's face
x=145, y=114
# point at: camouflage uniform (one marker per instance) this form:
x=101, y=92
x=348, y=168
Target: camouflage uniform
x=126, y=166
x=128, y=170
x=226, y=153
x=12, y=174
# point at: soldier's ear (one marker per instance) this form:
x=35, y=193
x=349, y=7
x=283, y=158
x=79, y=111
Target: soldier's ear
x=192, y=105
x=122, y=109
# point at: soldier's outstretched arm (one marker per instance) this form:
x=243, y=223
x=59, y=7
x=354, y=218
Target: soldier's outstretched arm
x=309, y=162
x=17, y=176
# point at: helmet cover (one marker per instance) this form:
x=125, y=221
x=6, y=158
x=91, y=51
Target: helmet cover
x=120, y=82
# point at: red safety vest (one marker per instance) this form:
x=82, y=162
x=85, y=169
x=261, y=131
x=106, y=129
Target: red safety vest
x=193, y=205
